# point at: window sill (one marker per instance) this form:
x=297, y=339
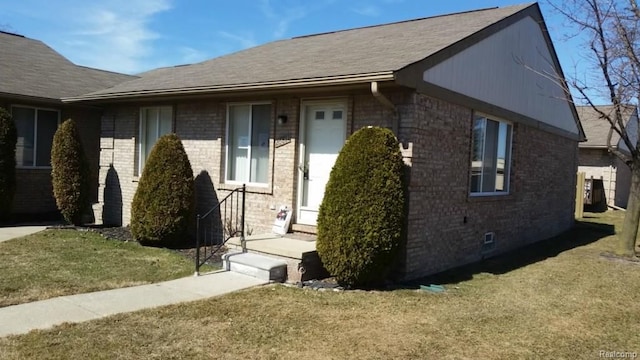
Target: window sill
x=33, y=167
x=490, y=197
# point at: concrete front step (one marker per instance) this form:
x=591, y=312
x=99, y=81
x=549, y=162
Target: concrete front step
x=258, y=266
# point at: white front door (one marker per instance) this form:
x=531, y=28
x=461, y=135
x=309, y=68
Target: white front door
x=323, y=134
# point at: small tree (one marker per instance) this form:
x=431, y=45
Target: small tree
x=163, y=203
x=361, y=217
x=69, y=173
x=8, y=139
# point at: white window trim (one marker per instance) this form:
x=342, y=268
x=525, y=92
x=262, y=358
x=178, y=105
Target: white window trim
x=510, y=148
x=226, y=147
x=35, y=132
x=141, y=133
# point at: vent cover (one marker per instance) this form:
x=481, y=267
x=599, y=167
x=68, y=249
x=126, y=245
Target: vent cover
x=488, y=242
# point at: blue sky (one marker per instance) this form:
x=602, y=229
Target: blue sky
x=133, y=36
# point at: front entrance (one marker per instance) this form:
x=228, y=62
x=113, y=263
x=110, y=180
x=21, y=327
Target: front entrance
x=322, y=135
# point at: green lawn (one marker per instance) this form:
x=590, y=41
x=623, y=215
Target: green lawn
x=63, y=262
x=559, y=299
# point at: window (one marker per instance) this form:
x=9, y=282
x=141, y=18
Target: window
x=36, y=128
x=248, y=143
x=491, y=158
x=154, y=122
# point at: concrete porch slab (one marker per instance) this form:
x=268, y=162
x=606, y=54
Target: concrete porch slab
x=293, y=246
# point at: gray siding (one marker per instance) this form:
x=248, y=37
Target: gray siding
x=496, y=71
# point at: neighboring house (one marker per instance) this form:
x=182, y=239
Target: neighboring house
x=492, y=145
x=33, y=79
x=595, y=159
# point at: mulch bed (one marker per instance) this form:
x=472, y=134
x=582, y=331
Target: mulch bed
x=119, y=233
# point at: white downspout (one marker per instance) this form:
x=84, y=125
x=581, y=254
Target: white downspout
x=386, y=102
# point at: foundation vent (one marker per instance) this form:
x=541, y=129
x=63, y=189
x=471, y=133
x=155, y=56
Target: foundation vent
x=488, y=242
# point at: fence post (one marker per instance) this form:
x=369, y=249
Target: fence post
x=243, y=241
x=197, y=245
x=579, y=210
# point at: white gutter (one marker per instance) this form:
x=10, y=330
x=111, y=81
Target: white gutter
x=267, y=85
x=386, y=102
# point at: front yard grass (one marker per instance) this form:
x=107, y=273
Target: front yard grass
x=558, y=299
x=64, y=262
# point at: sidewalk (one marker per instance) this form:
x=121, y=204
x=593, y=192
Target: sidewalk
x=20, y=319
x=8, y=233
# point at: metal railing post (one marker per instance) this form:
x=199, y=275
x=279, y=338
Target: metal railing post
x=197, y=245
x=243, y=241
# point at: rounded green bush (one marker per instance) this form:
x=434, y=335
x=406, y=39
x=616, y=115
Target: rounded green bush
x=163, y=203
x=69, y=173
x=360, y=223
x=8, y=139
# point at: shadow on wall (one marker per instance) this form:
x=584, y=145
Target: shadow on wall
x=112, y=208
x=582, y=234
x=206, y=198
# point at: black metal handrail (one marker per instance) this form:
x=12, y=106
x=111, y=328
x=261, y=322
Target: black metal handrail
x=219, y=224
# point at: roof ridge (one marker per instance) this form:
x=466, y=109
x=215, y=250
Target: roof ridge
x=102, y=70
x=406, y=21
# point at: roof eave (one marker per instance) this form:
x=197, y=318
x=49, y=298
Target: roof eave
x=270, y=85
x=30, y=98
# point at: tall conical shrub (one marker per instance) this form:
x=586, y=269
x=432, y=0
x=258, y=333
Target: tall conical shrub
x=162, y=206
x=8, y=139
x=360, y=223
x=69, y=173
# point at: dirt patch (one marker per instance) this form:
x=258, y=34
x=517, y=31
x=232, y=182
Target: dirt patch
x=623, y=259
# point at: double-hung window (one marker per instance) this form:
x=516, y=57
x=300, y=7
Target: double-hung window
x=35, y=127
x=248, y=143
x=154, y=122
x=491, y=156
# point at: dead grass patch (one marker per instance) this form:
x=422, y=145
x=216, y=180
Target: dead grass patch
x=562, y=302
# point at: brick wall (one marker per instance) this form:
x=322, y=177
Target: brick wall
x=202, y=127
x=34, y=191
x=446, y=225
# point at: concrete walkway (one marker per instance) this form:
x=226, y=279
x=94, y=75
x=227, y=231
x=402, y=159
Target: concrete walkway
x=8, y=233
x=20, y=319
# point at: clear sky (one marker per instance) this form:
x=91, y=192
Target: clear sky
x=133, y=36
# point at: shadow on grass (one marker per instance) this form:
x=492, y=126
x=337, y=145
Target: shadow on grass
x=582, y=234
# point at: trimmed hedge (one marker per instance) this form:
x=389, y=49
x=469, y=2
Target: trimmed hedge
x=69, y=173
x=8, y=139
x=162, y=206
x=360, y=223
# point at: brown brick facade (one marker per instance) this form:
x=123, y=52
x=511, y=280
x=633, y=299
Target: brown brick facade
x=34, y=191
x=445, y=225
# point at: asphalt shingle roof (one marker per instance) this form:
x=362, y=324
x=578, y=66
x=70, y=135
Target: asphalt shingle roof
x=29, y=67
x=596, y=128
x=368, y=50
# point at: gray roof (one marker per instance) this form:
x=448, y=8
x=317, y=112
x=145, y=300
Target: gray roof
x=30, y=68
x=362, y=51
x=597, y=128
